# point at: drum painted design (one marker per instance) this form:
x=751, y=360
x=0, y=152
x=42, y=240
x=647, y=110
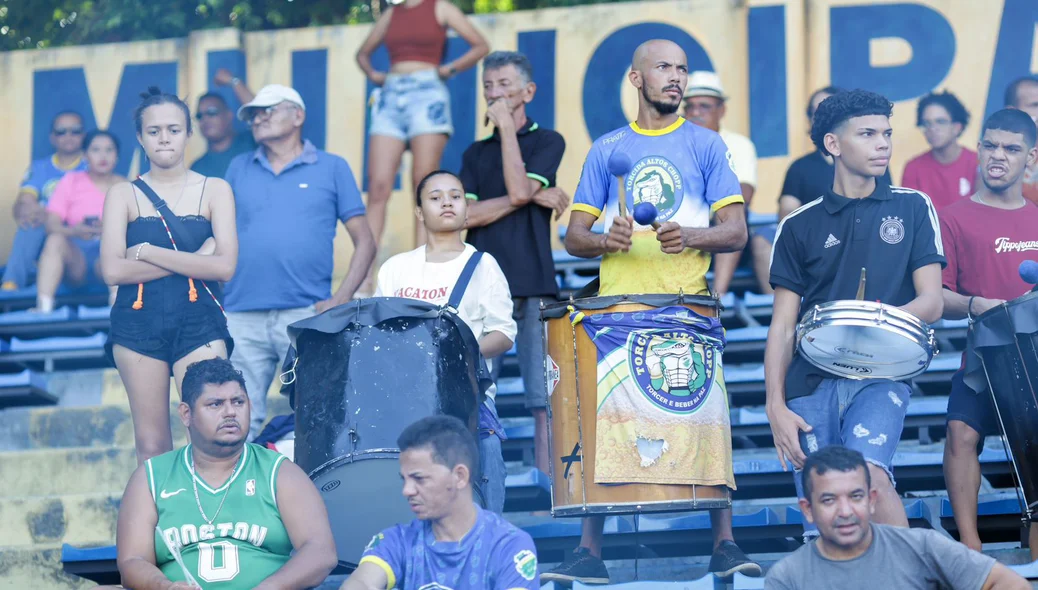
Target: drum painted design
x=572, y=411
x=865, y=340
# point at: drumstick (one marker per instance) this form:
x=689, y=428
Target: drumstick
x=645, y=213
x=619, y=165
x=180, y=560
x=861, y=286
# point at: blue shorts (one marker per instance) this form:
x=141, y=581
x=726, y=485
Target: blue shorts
x=866, y=416
x=976, y=410
x=766, y=231
x=91, y=250
x=409, y=105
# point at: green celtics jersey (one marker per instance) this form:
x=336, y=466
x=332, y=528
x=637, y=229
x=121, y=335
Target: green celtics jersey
x=246, y=541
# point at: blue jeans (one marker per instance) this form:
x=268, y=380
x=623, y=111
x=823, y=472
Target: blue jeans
x=866, y=416
x=25, y=251
x=491, y=461
x=409, y=105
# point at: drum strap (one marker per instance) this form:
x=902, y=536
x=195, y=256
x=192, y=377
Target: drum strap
x=463, y=280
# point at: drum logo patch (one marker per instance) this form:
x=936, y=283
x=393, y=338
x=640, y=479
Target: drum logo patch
x=552, y=374
x=656, y=180
x=526, y=564
x=672, y=370
x=892, y=230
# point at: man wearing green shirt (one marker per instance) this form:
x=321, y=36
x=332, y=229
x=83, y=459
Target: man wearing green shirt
x=221, y=513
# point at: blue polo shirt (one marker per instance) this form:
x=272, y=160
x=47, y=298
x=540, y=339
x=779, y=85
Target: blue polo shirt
x=821, y=248
x=286, y=228
x=44, y=174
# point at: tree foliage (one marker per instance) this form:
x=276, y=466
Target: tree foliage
x=36, y=24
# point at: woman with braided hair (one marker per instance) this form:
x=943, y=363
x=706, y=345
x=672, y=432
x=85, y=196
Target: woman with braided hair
x=168, y=240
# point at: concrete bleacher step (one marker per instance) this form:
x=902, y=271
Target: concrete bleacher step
x=42, y=521
x=55, y=472
x=37, y=568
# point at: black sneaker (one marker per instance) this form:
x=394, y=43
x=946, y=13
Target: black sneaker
x=729, y=560
x=579, y=566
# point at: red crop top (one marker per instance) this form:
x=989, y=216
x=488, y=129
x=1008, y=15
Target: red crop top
x=415, y=35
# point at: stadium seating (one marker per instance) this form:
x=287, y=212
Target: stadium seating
x=67, y=455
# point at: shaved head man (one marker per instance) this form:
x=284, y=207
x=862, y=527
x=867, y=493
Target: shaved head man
x=659, y=70
x=685, y=172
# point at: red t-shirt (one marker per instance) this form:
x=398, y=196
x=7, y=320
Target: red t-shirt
x=985, y=246
x=943, y=183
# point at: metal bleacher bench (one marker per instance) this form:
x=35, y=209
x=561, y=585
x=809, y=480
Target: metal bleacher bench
x=24, y=389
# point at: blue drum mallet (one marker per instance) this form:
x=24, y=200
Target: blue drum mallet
x=619, y=165
x=645, y=214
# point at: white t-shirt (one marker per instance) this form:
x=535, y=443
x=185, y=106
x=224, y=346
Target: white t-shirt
x=486, y=306
x=744, y=156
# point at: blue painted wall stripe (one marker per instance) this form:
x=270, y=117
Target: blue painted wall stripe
x=768, y=121
x=539, y=47
x=1013, y=49
x=310, y=79
x=234, y=61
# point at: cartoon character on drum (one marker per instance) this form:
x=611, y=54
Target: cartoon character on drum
x=866, y=260
x=986, y=239
x=620, y=406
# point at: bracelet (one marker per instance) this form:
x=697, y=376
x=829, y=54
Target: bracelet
x=137, y=256
x=969, y=308
x=235, y=81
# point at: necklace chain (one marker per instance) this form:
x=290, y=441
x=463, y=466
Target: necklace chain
x=194, y=485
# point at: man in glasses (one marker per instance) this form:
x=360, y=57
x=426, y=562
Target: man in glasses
x=948, y=171
x=216, y=122
x=290, y=196
x=66, y=136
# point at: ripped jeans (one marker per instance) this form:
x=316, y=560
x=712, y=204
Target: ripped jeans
x=866, y=416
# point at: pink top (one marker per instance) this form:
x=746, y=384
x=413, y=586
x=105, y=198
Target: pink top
x=943, y=183
x=75, y=198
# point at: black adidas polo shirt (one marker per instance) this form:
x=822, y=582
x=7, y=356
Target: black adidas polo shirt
x=821, y=248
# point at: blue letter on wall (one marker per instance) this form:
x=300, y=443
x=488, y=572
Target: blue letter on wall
x=1013, y=52
x=66, y=90
x=606, y=71
x=929, y=34
x=768, y=122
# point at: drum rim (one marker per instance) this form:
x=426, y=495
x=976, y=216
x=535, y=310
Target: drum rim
x=869, y=306
x=648, y=507
x=602, y=303
x=365, y=455
x=1025, y=298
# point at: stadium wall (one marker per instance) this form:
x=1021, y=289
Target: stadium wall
x=770, y=54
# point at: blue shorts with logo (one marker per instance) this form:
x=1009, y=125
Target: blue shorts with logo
x=409, y=105
x=866, y=415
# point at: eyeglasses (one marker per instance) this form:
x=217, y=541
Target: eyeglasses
x=935, y=124
x=209, y=112
x=265, y=112
x=63, y=131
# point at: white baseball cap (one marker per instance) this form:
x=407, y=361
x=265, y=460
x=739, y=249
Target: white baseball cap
x=270, y=95
x=702, y=83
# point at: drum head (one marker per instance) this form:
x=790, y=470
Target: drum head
x=363, y=498
x=864, y=352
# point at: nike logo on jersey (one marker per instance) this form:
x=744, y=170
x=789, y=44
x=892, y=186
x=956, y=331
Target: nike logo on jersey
x=167, y=495
x=831, y=241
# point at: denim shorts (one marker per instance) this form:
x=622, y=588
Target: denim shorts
x=866, y=416
x=766, y=231
x=91, y=250
x=409, y=105
x=976, y=410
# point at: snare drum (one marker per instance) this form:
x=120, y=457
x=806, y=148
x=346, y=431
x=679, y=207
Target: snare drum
x=1002, y=357
x=572, y=381
x=865, y=340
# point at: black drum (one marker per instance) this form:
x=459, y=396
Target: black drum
x=1002, y=358
x=361, y=373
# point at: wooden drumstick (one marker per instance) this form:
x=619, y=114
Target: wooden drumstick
x=861, y=286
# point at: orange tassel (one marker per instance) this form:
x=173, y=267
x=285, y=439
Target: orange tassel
x=192, y=293
x=140, y=296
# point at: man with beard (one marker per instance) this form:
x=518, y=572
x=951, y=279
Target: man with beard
x=695, y=171
x=854, y=553
x=220, y=512
x=986, y=237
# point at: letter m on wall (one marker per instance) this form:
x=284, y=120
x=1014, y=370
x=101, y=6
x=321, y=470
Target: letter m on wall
x=55, y=91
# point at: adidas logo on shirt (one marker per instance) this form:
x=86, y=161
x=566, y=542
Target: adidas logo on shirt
x=831, y=241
